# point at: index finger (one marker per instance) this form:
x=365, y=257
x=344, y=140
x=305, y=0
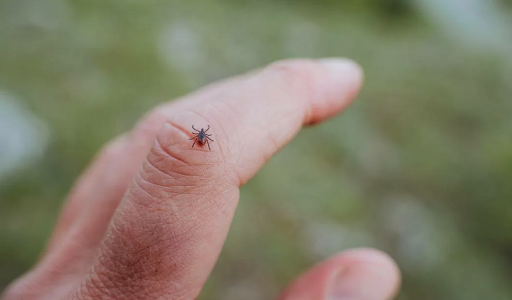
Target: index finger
x=169, y=228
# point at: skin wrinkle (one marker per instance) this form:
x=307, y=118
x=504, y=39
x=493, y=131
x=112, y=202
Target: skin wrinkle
x=98, y=287
x=184, y=207
x=229, y=119
x=224, y=200
x=170, y=155
x=189, y=133
x=180, y=128
x=173, y=190
x=175, y=238
x=128, y=281
x=219, y=137
x=170, y=172
x=143, y=190
x=163, y=189
x=237, y=139
x=169, y=204
x=106, y=283
x=150, y=163
x=159, y=169
x=116, y=276
x=144, y=229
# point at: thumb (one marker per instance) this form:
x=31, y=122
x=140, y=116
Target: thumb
x=361, y=274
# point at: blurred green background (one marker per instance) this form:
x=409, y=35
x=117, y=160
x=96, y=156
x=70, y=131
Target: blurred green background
x=420, y=166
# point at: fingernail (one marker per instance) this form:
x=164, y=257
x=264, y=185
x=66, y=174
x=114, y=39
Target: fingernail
x=348, y=73
x=344, y=67
x=356, y=284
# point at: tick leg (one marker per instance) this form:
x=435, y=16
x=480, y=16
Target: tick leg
x=207, y=129
x=208, y=143
x=210, y=139
x=194, y=143
x=195, y=137
x=194, y=128
x=208, y=134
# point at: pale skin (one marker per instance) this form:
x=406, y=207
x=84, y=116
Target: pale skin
x=148, y=218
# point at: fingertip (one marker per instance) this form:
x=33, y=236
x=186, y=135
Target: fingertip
x=343, y=79
x=365, y=274
x=344, y=68
x=359, y=274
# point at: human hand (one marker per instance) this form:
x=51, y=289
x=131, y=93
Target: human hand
x=148, y=218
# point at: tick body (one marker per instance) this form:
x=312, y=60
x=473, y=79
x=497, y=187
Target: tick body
x=201, y=137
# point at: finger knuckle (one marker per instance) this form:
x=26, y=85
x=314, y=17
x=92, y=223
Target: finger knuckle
x=173, y=164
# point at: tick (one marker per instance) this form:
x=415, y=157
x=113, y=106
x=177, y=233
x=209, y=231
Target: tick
x=201, y=137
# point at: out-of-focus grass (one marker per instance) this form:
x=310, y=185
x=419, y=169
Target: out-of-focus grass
x=420, y=166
